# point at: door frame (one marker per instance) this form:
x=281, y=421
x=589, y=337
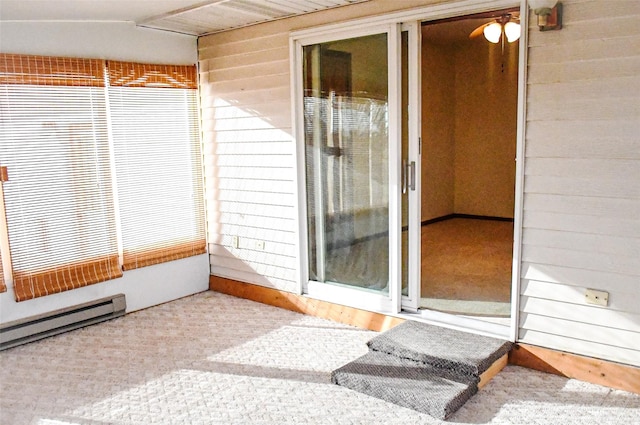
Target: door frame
x=390, y=303
x=361, y=26
x=411, y=301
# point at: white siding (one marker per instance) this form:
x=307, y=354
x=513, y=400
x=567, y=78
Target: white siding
x=582, y=168
x=250, y=159
x=582, y=191
x=250, y=154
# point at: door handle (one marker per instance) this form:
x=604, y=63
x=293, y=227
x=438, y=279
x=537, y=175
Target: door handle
x=403, y=177
x=412, y=175
x=408, y=176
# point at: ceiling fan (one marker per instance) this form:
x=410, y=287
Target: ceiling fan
x=505, y=26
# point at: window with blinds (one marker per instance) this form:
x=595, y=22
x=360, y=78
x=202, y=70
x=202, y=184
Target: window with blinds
x=97, y=173
x=59, y=196
x=156, y=142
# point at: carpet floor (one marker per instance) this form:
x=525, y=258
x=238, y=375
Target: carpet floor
x=215, y=359
x=466, y=266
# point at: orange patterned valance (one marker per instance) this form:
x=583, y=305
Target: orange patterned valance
x=29, y=285
x=51, y=71
x=130, y=74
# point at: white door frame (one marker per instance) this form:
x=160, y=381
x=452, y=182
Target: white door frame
x=361, y=26
x=389, y=304
x=411, y=302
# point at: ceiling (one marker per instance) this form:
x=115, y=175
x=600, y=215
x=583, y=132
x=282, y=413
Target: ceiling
x=193, y=17
x=457, y=29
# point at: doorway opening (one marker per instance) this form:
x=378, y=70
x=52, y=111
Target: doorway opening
x=469, y=134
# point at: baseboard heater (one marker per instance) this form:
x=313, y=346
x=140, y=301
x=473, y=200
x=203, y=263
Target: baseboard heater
x=48, y=324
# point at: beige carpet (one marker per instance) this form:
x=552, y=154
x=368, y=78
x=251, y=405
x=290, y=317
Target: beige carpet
x=466, y=266
x=215, y=359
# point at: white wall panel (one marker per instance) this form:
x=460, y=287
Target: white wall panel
x=582, y=198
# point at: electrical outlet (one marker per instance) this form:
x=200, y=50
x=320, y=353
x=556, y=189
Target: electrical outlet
x=235, y=242
x=597, y=297
x=260, y=245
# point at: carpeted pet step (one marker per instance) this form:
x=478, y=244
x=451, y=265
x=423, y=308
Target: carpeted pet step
x=407, y=383
x=464, y=353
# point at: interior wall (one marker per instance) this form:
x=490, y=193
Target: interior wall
x=143, y=287
x=469, y=106
x=367, y=64
x=438, y=131
x=486, y=82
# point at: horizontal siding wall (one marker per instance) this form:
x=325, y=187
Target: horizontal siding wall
x=582, y=191
x=250, y=152
x=250, y=171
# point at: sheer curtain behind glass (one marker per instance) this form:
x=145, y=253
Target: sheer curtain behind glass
x=158, y=161
x=59, y=204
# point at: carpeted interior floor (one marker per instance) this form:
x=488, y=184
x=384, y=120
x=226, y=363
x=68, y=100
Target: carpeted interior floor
x=466, y=266
x=216, y=359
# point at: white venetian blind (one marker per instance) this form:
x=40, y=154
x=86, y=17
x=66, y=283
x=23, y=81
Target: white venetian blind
x=58, y=198
x=158, y=161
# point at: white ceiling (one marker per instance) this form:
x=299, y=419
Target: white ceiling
x=194, y=17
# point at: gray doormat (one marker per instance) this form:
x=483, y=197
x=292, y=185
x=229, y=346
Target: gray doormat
x=426, y=368
x=406, y=383
x=465, y=353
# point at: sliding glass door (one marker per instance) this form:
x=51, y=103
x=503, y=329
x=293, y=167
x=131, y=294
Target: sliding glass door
x=351, y=124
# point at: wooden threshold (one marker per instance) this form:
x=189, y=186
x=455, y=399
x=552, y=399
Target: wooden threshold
x=493, y=370
x=596, y=371
x=301, y=304
x=588, y=369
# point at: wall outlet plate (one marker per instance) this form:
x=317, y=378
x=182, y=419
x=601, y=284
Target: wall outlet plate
x=260, y=245
x=596, y=297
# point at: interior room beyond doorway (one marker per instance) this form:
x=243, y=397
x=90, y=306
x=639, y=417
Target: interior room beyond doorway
x=469, y=121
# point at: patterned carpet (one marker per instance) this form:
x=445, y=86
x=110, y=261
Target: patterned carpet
x=215, y=359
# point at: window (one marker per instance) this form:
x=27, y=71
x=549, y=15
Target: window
x=157, y=149
x=58, y=197
x=101, y=178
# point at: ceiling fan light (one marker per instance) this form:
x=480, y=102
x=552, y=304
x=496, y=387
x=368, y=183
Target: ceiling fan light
x=512, y=31
x=493, y=32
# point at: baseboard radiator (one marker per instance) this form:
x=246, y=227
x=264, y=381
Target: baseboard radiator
x=48, y=324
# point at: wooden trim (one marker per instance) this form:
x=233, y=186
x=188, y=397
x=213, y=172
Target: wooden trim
x=595, y=371
x=493, y=370
x=467, y=216
x=3, y=286
x=305, y=305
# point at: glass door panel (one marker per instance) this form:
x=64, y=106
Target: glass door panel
x=347, y=144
